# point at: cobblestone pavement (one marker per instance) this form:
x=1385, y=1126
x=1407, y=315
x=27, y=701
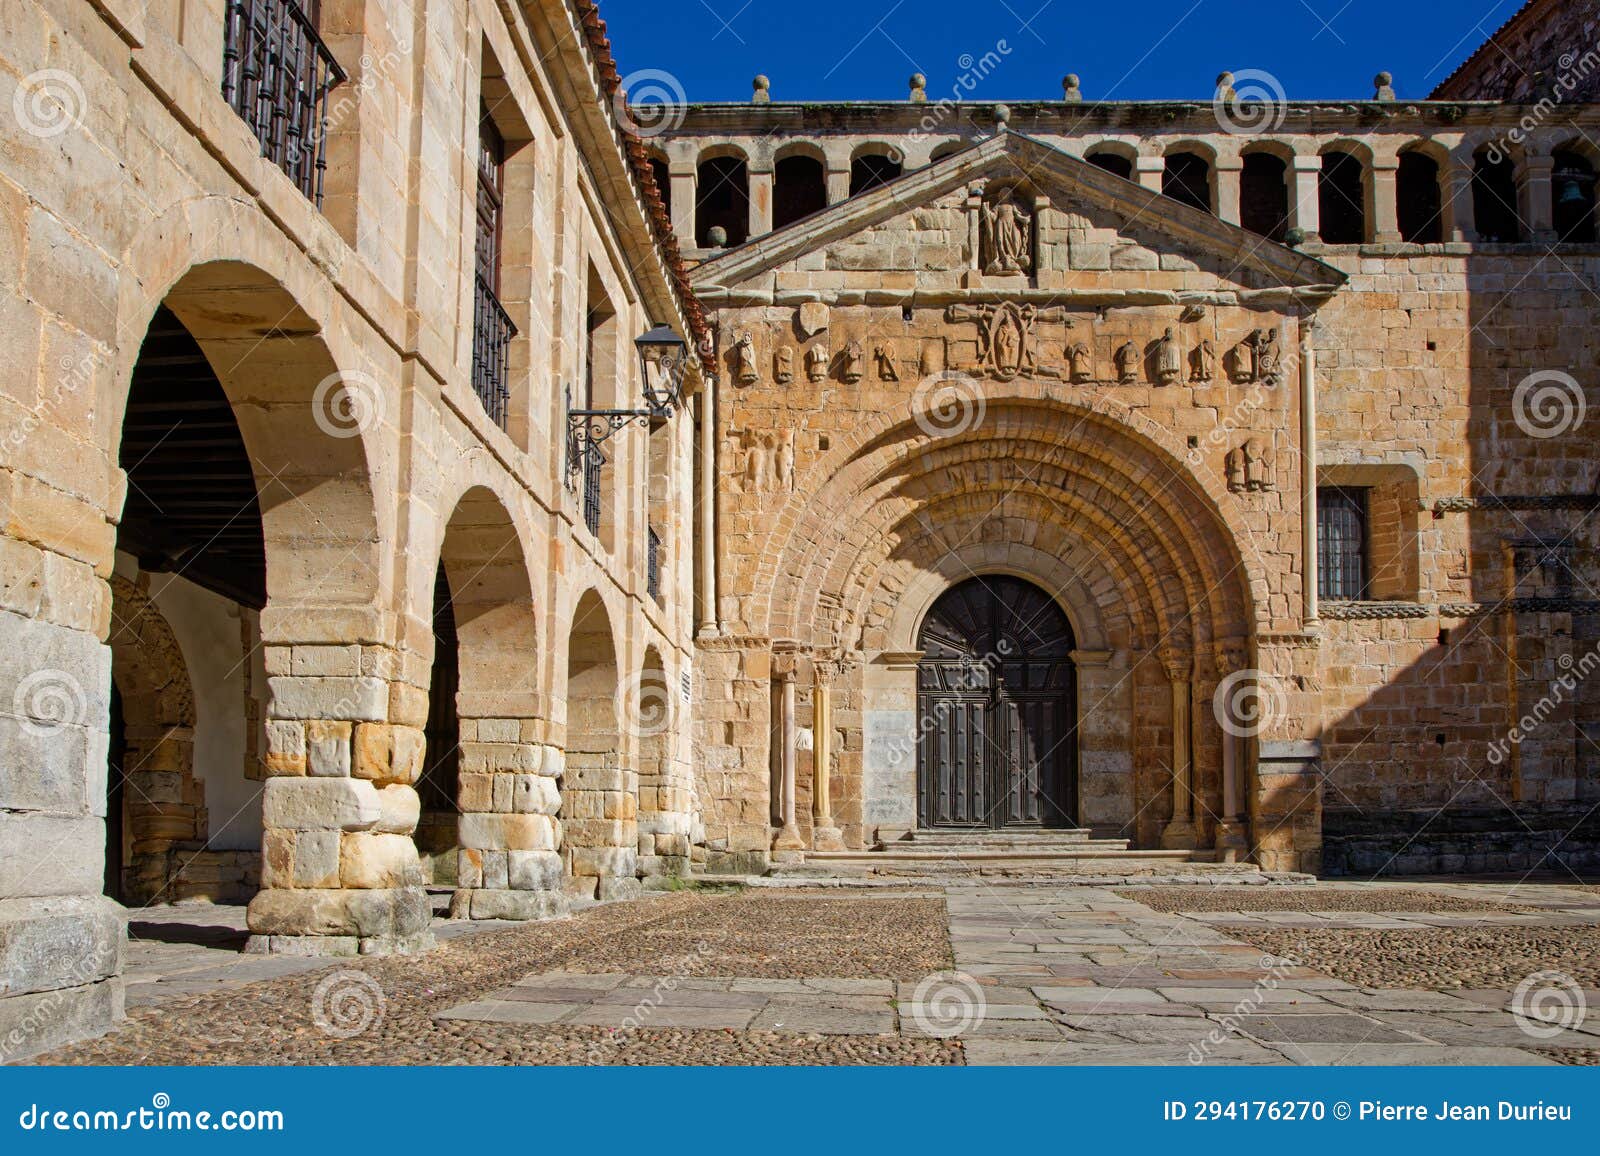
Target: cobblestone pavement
x=991, y=974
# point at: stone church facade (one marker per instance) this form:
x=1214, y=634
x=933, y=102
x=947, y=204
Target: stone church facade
x=425, y=477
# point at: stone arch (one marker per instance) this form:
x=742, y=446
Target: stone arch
x=647, y=704
x=1128, y=449
x=506, y=792
x=599, y=795
x=339, y=872
x=163, y=803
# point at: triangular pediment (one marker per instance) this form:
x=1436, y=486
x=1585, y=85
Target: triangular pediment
x=1090, y=234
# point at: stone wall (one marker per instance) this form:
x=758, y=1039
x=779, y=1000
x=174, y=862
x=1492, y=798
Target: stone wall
x=1550, y=50
x=343, y=342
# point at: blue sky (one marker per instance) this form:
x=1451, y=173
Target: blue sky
x=1123, y=49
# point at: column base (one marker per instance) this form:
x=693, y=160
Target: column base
x=1179, y=836
x=1230, y=843
x=788, y=839
x=330, y=921
x=828, y=838
x=496, y=903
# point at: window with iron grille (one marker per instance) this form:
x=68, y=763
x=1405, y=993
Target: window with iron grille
x=492, y=326
x=652, y=563
x=1343, y=545
x=277, y=73
x=593, y=480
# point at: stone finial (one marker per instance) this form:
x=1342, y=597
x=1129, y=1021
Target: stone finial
x=1070, y=92
x=919, y=88
x=717, y=237
x=1002, y=116
x=1224, y=86
x=1383, y=83
x=762, y=91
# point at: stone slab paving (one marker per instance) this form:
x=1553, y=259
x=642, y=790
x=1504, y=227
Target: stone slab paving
x=1058, y=974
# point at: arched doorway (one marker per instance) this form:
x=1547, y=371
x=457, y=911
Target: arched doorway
x=996, y=714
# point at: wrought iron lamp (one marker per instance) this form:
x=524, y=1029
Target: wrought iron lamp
x=663, y=362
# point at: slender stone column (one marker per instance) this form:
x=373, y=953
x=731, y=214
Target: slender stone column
x=1308, y=472
x=1229, y=172
x=1385, y=211
x=1232, y=841
x=708, y=511
x=838, y=184
x=1460, y=214
x=824, y=835
x=1305, y=204
x=1148, y=171
x=760, y=202
x=685, y=181
x=1537, y=208
x=788, y=839
x=1179, y=831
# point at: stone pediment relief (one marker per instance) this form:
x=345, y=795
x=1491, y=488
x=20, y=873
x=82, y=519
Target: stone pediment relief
x=1013, y=218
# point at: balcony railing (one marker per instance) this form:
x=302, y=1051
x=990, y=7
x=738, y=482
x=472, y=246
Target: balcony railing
x=277, y=73
x=652, y=563
x=593, y=479
x=492, y=332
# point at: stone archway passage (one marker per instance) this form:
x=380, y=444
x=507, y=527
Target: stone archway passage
x=995, y=714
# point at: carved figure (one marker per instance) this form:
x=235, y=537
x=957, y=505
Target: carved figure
x=1006, y=236
x=1169, y=359
x=785, y=462
x=1005, y=336
x=783, y=365
x=1203, y=362
x=1127, y=359
x=1233, y=464
x=854, y=356
x=1081, y=359
x=817, y=362
x=744, y=359
x=884, y=356
x=1257, y=466
x=755, y=467
x=1266, y=356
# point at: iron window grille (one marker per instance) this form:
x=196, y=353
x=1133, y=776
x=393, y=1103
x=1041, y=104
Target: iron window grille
x=1343, y=544
x=652, y=563
x=277, y=74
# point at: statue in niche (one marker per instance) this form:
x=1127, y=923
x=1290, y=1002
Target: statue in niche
x=884, y=356
x=783, y=365
x=852, y=370
x=744, y=359
x=1203, y=365
x=1080, y=358
x=1169, y=359
x=756, y=475
x=1127, y=359
x=817, y=362
x=784, y=462
x=1005, y=236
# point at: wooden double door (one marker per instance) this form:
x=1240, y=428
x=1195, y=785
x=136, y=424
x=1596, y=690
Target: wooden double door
x=996, y=707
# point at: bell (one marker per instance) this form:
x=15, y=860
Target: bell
x=1572, y=192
